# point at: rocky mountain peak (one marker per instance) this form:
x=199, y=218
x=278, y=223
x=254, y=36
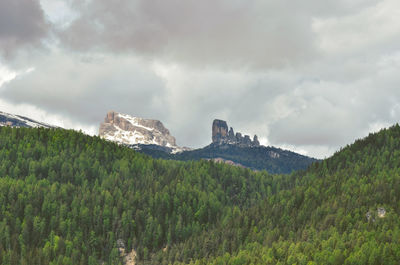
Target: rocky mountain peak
x=131, y=130
x=221, y=135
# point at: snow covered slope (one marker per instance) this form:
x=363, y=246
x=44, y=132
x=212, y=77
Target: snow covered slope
x=7, y=119
x=136, y=132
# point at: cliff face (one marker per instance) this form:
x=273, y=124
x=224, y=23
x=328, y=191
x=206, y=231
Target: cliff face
x=219, y=130
x=221, y=135
x=133, y=130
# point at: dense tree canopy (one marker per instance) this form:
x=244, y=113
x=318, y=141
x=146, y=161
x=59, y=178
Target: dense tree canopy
x=329, y=216
x=274, y=160
x=66, y=198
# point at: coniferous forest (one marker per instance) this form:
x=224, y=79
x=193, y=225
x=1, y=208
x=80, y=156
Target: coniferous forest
x=67, y=198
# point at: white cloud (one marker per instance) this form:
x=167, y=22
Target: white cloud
x=84, y=88
x=58, y=12
x=33, y=112
x=6, y=75
x=374, y=29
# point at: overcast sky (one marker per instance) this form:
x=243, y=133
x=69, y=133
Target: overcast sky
x=310, y=75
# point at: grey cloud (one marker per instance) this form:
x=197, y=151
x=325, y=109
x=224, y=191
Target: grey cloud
x=335, y=114
x=22, y=23
x=245, y=101
x=86, y=88
x=223, y=33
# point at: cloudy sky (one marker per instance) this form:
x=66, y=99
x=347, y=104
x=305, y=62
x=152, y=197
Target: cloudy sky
x=309, y=75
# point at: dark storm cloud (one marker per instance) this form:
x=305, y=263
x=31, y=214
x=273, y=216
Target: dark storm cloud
x=22, y=23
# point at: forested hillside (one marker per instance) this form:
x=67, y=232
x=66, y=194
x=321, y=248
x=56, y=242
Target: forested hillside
x=344, y=210
x=272, y=159
x=66, y=198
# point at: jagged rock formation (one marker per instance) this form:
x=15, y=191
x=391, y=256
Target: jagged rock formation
x=221, y=135
x=7, y=119
x=130, y=130
x=227, y=145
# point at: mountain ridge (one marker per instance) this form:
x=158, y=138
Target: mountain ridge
x=7, y=119
x=272, y=159
x=152, y=138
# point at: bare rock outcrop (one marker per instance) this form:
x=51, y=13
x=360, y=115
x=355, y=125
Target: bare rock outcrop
x=127, y=258
x=219, y=130
x=221, y=135
x=130, y=130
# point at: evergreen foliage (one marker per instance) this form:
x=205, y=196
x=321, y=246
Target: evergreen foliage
x=66, y=198
x=274, y=160
x=329, y=217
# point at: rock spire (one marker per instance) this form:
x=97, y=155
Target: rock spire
x=221, y=135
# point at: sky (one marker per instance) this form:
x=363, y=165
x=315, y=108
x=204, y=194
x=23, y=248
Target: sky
x=310, y=76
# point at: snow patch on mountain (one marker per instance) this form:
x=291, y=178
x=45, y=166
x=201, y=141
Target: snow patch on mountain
x=7, y=119
x=135, y=131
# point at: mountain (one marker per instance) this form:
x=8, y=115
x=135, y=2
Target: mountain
x=342, y=210
x=152, y=138
x=239, y=150
x=272, y=159
x=137, y=132
x=68, y=198
x=7, y=119
x=129, y=130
